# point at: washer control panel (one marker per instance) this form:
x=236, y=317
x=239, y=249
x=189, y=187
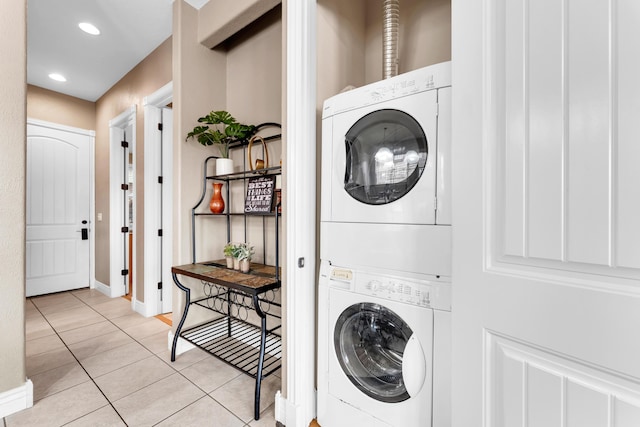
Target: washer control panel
x=424, y=293
x=397, y=290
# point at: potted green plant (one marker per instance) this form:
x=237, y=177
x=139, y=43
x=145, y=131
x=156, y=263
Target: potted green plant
x=221, y=128
x=228, y=251
x=245, y=252
x=235, y=251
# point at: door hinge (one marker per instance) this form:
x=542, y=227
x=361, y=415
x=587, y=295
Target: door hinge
x=159, y=285
x=124, y=272
x=160, y=126
x=125, y=229
x=437, y=109
x=124, y=187
x=435, y=203
x=124, y=144
x=160, y=233
x=159, y=180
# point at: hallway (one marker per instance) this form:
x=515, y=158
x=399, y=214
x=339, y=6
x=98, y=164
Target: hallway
x=93, y=361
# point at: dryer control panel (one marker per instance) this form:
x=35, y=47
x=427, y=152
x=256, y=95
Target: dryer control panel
x=434, y=294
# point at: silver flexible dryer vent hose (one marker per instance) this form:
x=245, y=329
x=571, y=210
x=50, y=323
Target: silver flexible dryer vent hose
x=391, y=22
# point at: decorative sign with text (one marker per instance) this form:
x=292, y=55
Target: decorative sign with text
x=259, y=194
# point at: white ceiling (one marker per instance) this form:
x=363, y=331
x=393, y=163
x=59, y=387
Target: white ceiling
x=131, y=29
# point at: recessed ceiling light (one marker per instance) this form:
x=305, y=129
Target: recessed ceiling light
x=57, y=77
x=89, y=28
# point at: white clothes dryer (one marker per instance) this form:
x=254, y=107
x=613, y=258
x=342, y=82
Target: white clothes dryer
x=386, y=175
x=383, y=349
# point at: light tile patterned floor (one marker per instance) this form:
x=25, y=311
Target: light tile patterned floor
x=95, y=362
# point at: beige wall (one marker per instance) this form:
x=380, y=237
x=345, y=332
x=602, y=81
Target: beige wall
x=12, y=189
x=254, y=87
x=341, y=31
x=350, y=41
x=148, y=76
x=215, y=27
x=424, y=36
x=254, y=93
x=200, y=76
x=44, y=104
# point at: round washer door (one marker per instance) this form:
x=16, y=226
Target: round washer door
x=370, y=343
x=386, y=153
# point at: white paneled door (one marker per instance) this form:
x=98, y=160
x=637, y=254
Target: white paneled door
x=546, y=213
x=58, y=208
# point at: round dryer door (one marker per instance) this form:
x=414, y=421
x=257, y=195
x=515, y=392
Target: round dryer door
x=386, y=152
x=371, y=344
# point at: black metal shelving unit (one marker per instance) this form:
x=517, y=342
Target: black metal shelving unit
x=231, y=336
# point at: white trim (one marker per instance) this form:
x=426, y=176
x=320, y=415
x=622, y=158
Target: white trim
x=17, y=399
x=182, y=346
x=92, y=189
x=154, y=219
x=92, y=213
x=116, y=128
x=57, y=126
x=197, y=4
x=161, y=97
x=300, y=181
x=101, y=287
x=152, y=215
x=144, y=308
x=576, y=279
x=167, y=211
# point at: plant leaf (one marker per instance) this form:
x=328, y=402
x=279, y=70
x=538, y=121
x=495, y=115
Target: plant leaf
x=196, y=131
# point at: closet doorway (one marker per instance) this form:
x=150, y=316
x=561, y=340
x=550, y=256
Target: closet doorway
x=158, y=201
x=122, y=200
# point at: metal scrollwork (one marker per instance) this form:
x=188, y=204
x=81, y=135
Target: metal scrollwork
x=268, y=300
x=235, y=303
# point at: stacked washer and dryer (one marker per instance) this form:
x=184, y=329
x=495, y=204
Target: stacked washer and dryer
x=384, y=299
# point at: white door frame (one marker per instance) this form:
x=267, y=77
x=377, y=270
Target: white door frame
x=298, y=408
x=92, y=188
x=117, y=126
x=153, y=221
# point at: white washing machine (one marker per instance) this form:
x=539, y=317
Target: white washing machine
x=383, y=349
x=386, y=174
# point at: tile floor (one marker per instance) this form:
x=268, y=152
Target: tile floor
x=95, y=362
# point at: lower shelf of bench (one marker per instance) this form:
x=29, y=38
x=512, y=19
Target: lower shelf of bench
x=237, y=343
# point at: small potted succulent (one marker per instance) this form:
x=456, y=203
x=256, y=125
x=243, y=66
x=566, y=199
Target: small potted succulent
x=221, y=128
x=237, y=247
x=245, y=252
x=228, y=251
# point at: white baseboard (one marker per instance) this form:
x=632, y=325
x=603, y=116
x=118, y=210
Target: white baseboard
x=280, y=408
x=285, y=412
x=17, y=399
x=137, y=306
x=143, y=308
x=292, y=415
x=182, y=346
x=101, y=287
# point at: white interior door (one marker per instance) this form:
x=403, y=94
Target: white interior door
x=166, y=206
x=158, y=205
x=122, y=203
x=546, y=213
x=58, y=208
